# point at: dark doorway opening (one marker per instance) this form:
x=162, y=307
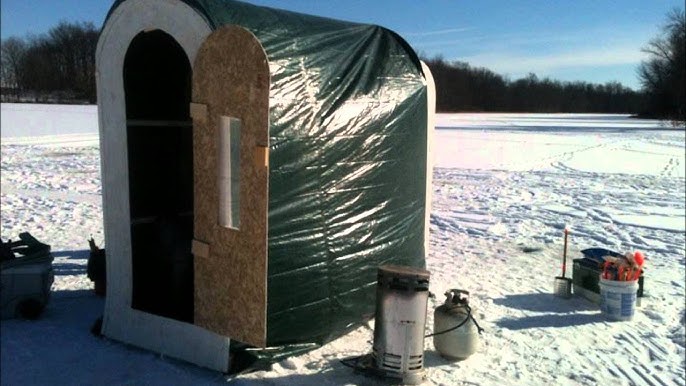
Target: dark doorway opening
x=157, y=85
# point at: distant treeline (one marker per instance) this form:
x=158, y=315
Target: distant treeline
x=461, y=87
x=58, y=66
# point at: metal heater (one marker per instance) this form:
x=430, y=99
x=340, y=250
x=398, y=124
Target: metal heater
x=401, y=298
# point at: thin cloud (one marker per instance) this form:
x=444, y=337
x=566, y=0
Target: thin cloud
x=465, y=41
x=520, y=63
x=498, y=42
x=532, y=42
x=436, y=32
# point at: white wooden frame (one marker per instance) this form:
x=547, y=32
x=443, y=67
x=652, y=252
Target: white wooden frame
x=121, y=322
x=430, y=127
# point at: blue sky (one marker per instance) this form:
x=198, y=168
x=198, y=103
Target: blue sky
x=593, y=41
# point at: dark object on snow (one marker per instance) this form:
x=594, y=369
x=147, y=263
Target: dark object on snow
x=598, y=254
x=26, y=276
x=6, y=250
x=246, y=359
x=96, y=268
x=30, y=308
x=527, y=249
x=96, y=329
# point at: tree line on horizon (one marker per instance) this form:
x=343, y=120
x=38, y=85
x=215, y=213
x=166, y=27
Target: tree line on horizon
x=461, y=88
x=59, y=66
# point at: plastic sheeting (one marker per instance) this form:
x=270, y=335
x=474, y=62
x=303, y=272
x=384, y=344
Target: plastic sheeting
x=348, y=153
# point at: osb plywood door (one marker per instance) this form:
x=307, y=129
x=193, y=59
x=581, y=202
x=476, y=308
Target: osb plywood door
x=231, y=79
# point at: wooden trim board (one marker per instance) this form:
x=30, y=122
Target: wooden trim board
x=430, y=127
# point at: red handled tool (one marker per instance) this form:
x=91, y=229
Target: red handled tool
x=563, y=285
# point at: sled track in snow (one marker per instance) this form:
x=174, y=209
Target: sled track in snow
x=94, y=199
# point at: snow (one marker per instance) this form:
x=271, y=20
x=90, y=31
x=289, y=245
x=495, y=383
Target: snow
x=28, y=120
x=503, y=184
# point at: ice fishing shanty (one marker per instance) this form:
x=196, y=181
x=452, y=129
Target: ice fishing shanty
x=258, y=165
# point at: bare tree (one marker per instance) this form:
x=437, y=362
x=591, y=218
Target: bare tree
x=12, y=54
x=663, y=74
x=72, y=47
x=59, y=64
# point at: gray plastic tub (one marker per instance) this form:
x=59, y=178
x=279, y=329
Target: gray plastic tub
x=26, y=276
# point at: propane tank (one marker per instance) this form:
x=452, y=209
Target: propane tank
x=456, y=336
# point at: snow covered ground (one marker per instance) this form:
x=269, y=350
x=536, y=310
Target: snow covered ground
x=503, y=184
x=28, y=120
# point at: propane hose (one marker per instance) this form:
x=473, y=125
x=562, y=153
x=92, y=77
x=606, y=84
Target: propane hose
x=469, y=316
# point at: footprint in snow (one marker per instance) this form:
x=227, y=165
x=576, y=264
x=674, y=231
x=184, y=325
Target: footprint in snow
x=654, y=316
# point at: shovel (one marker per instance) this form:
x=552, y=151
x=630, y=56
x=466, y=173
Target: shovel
x=563, y=285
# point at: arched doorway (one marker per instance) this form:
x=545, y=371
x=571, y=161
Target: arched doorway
x=157, y=83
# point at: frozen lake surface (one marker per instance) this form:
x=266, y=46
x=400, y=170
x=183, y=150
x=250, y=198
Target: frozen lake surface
x=502, y=184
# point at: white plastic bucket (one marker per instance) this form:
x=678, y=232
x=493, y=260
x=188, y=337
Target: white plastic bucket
x=618, y=298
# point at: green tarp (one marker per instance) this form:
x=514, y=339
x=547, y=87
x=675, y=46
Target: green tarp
x=348, y=153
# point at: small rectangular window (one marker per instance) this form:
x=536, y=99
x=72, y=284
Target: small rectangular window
x=229, y=171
